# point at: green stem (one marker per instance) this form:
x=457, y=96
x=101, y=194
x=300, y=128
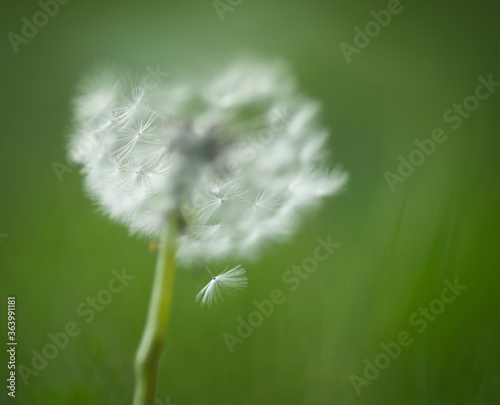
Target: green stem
x=151, y=346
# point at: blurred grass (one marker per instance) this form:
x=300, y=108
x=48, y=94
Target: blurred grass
x=396, y=248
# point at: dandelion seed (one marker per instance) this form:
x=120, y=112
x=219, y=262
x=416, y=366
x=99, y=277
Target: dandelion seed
x=130, y=134
x=229, y=282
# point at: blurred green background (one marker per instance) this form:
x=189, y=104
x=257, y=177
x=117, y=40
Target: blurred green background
x=396, y=249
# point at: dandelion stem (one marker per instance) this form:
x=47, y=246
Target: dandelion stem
x=151, y=346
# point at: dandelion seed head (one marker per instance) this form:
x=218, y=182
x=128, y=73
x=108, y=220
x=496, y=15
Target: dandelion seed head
x=240, y=156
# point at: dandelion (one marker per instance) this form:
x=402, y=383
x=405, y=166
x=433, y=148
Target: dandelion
x=213, y=168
